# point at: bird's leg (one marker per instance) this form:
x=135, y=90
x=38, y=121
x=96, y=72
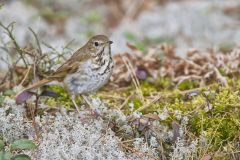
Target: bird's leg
x=87, y=101
x=74, y=102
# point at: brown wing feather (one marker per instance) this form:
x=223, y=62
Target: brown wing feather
x=64, y=70
x=71, y=65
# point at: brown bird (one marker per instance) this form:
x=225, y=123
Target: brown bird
x=89, y=68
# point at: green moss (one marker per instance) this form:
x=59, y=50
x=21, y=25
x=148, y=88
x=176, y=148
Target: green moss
x=188, y=84
x=222, y=71
x=213, y=113
x=147, y=88
x=226, y=100
x=150, y=86
x=163, y=83
x=137, y=103
x=238, y=85
x=63, y=97
x=221, y=124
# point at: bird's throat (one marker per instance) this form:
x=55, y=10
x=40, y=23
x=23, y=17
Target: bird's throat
x=103, y=60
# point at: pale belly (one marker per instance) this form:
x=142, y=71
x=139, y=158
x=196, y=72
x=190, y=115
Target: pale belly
x=86, y=81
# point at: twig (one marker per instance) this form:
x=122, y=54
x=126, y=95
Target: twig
x=10, y=35
x=180, y=79
x=193, y=64
x=33, y=114
x=68, y=44
x=137, y=152
x=37, y=41
x=50, y=47
x=104, y=134
x=128, y=141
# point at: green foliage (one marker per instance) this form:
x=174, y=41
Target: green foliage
x=21, y=144
x=142, y=44
x=1, y=145
x=5, y=155
x=9, y=92
x=1, y=100
x=131, y=37
x=136, y=41
x=93, y=16
x=21, y=157
x=52, y=15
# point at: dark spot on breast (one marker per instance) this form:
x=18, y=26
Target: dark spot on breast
x=74, y=81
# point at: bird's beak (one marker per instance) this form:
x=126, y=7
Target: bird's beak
x=110, y=42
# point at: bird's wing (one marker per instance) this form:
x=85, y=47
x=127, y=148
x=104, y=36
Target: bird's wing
x=70, y=66
x=66, y=68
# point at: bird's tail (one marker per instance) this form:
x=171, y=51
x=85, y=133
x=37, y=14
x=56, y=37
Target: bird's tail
x=24, y=94
x=37, y=84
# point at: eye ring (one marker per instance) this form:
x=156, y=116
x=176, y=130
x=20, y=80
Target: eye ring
x=96, y=44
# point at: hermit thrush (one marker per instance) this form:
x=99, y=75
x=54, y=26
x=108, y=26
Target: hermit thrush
x=88, y=69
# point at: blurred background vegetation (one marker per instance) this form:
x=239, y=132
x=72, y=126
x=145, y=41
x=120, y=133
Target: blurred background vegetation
x=174, y=28
x=185, y=23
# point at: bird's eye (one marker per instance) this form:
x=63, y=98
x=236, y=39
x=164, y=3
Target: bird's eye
x=96, y=44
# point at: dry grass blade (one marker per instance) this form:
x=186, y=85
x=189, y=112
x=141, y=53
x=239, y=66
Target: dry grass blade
x=147, y=105
x=126, y=101
x=134, y=77
x=222, y=79
x=26, y=75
